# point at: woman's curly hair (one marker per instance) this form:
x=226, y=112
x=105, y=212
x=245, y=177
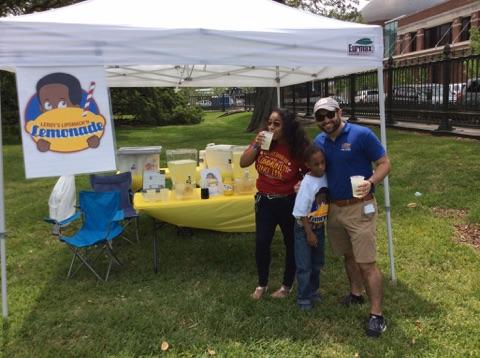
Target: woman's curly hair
x=293, y=132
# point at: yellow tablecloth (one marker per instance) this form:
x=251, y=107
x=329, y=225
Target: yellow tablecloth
x=220, y=213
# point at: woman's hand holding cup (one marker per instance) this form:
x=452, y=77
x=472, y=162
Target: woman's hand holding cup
x=259, y=139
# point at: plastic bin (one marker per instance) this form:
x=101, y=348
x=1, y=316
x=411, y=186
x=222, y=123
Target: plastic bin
x=136, y=160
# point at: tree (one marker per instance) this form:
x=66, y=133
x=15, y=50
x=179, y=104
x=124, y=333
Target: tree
x=18, y=7
x=339, y=9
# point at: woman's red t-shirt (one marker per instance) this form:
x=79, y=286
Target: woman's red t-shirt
x=278, y=171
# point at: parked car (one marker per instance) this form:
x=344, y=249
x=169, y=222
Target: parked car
x=222, y=101
x=341, y=101
x=366, y=96
x=204, y=103
x=470, y=94
x=409, y=94
x=432, y=93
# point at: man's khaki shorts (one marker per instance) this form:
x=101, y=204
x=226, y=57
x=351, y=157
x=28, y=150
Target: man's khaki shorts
x=349, y=229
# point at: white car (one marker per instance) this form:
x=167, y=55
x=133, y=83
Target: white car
x=204, y=103
x=366, y=96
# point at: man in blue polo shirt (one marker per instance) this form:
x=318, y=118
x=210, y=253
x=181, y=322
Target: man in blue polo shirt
x=350, y=150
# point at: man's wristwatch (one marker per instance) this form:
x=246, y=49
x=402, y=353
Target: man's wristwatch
x=255, y=146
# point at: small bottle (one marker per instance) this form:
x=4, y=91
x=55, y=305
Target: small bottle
x=228, y=186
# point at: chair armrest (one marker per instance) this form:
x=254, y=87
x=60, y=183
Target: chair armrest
x=119, y=216
x=71, y=218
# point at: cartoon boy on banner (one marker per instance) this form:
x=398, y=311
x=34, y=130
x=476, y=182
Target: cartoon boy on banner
x=62, y=117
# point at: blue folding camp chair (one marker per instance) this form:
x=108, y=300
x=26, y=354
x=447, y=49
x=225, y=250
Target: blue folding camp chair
x=123, y=183
x=101, y=216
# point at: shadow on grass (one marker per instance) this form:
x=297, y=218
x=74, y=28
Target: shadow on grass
x=200, y=299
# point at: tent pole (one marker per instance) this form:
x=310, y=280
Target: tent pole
x=386, y=187
x=3, y=258
x=278, y=96
x=277, y=80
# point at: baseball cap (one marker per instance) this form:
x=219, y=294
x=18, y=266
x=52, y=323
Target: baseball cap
x=327, y=103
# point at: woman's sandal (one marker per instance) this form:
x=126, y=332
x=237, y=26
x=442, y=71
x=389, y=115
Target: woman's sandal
x=282, y=292
x=259, y=292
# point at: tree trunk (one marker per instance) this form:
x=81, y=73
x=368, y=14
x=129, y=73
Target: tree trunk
x=264, y=102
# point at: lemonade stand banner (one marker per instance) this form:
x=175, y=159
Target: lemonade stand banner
x=65, y=120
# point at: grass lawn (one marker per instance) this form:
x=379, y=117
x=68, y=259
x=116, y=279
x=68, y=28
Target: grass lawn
x=199, y=301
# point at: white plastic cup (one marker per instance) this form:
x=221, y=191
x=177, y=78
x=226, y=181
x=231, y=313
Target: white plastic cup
x=356, y=180
x=267, y=140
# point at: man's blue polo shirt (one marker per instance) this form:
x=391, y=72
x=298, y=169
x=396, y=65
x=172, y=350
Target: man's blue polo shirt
x=352, y=153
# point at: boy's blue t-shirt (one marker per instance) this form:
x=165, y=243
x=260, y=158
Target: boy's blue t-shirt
x=352, y=153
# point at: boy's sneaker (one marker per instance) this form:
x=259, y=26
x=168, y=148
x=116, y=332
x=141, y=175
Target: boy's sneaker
x=305, y=307
x=316, y=300
x=352, y=299
x=376, y=326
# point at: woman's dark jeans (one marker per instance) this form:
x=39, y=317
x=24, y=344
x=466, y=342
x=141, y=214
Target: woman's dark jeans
x=309, y=261
x=268, y=214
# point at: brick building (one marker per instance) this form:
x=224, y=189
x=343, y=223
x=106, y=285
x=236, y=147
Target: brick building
x=418, y=30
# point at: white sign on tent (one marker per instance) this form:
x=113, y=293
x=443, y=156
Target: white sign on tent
x=65, y=121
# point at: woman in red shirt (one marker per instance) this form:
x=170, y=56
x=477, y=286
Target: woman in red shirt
x=279, y=169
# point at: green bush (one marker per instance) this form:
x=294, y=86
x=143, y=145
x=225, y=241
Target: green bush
x=154, y=106
x=187, y=115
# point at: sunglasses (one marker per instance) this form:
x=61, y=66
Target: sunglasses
x=321, y=117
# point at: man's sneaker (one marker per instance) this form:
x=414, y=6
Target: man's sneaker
x=351, y=299
x=376, y=326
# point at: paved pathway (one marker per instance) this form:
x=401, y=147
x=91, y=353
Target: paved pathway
x=464, y=132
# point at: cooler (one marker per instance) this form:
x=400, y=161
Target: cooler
x=136, y=160
x=238, y=172
x=219, y=156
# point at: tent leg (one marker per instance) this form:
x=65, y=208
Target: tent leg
x=278, y=96
x=3, y=257
x=386, y=187
x=277, y=80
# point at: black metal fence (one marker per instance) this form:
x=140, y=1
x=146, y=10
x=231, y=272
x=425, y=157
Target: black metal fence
x=224, y=102
x=445, y=92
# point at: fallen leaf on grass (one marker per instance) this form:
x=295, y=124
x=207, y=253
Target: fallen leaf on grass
x=164, y=346
x=211, y=352
x=418, y=325
x=414, y=340
x=412, y=205
x=357, y=355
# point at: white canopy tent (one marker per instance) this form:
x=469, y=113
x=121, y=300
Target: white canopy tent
x=192, y=43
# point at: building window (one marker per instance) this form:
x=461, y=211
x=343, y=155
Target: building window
x=389, y=38
x=465, y=29
x=438, y=35
x=413, y=41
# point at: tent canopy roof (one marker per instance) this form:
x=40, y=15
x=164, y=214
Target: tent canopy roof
x=189, y=42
